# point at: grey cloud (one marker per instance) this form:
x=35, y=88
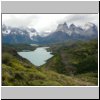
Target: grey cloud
x=14, y=21
x=34, y=20
x=80, y=19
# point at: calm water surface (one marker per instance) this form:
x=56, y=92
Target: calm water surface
x=37, y=57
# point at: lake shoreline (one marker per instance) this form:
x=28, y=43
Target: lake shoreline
x=38, y=57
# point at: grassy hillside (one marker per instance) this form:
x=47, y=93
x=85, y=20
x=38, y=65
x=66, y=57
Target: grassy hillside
x=18, y=47
x=72, y=65
x=76, y=59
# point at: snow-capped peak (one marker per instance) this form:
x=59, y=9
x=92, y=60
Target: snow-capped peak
x=5, y=29
x=32, y=32
x=19, y=30
x=62, y=27
x=88, y=25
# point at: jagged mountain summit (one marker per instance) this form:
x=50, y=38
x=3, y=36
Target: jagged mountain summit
x=89, y=29
x=61, y=34
x=18, y=34
x=73, y=32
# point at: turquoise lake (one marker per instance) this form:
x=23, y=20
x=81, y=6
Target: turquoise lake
x=37, y=57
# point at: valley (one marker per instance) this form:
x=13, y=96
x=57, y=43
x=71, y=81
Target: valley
x=73, y=64
x=47, y=51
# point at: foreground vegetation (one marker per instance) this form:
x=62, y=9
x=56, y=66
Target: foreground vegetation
x=73, y=64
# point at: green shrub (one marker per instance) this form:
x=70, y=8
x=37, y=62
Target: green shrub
x=6, y=58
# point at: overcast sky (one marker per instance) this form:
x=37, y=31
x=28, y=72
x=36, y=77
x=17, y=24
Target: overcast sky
x=47, y=22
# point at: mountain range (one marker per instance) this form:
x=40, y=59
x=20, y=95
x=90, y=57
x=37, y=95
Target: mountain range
x=62, y=33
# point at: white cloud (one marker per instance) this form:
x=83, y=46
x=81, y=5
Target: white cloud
x=47, y=22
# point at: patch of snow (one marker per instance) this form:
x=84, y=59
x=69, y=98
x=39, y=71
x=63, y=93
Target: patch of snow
x=88, y=25
x=6, y=31
x=31, y=34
